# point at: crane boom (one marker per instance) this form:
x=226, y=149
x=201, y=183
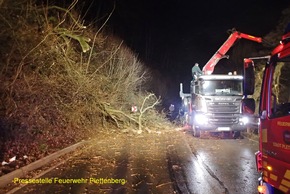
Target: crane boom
x=209, y=66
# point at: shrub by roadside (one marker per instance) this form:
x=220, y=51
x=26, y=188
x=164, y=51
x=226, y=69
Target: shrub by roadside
x=62, y=81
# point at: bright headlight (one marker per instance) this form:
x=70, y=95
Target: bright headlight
x=244, y=120
x=201, y=119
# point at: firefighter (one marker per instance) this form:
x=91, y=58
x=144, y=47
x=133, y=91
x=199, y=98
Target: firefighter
x=196, y=71
x=171, y=111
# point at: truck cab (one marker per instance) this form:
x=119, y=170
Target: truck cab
x=217, y=104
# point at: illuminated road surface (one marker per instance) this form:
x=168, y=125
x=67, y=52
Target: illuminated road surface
x=216, y=166
x=171, y=163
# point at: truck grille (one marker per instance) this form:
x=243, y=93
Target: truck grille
x=223, y=107
x=223, y=113
x=221, y=120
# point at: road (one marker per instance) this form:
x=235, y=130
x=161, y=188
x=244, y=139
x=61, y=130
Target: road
x=217, y=165
x=174, y=162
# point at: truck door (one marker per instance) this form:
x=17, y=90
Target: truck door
x=275, y=129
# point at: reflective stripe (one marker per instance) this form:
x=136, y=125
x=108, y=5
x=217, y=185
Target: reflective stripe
x=285, y=183
x=265, y=164
x=287, y=174
x=284, y=189
x=264, y=136
x=273, y=177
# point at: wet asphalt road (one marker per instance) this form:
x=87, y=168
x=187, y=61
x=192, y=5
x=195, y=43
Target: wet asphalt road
x=179, y=163
x=216, y=166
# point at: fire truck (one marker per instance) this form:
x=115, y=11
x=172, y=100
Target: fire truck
x=215, y=102
x=273, y=157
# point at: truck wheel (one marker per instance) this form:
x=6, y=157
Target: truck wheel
x=196, y=132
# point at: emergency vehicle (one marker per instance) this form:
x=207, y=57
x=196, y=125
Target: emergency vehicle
x=273, y=157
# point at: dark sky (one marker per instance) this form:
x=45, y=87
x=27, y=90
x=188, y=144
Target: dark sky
x=175, y=31
x=171, y=35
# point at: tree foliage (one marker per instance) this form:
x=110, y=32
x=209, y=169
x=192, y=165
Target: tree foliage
x=62, y=81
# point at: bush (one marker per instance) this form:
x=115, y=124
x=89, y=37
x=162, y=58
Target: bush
x=63, y=81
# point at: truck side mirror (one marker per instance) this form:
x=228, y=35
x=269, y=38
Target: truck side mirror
x=249, y=77
x=248, y=106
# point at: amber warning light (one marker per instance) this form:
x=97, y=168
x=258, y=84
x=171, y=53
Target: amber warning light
x=261, y=189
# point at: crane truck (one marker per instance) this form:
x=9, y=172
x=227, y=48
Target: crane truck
x=215, y=102
x=273, y=157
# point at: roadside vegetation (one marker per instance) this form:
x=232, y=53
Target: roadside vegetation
x=270, y=41
x=63, y=81
x=283, y=72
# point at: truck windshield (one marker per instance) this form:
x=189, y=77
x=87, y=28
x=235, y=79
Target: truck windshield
x=221, y=87
x=280, y=101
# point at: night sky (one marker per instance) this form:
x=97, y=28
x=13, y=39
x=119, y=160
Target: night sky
x=171, y=35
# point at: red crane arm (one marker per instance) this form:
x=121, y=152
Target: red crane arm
x=209, y=66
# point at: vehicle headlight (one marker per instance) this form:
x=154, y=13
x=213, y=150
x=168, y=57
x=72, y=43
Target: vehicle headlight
x=201, y=119
x=244, y=120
